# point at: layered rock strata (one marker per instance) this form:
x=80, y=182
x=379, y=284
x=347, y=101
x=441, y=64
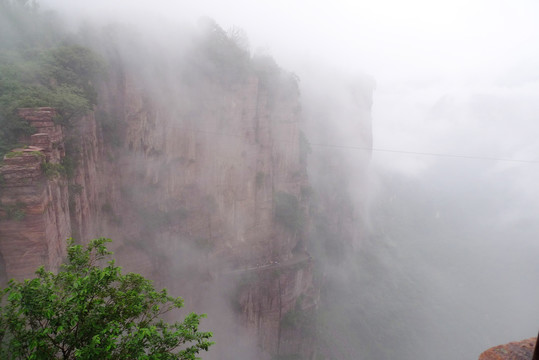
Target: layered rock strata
x=35, y=211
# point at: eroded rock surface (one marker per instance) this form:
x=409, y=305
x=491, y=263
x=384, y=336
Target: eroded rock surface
x=517, y=350
x=34, y=217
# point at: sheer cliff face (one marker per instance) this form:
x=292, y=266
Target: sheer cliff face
x=214, y=174
x=199, y=174
x=34, y=203
x=201, y=178
x=44, y=200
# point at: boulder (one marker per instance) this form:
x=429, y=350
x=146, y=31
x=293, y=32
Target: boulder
x=518, y=350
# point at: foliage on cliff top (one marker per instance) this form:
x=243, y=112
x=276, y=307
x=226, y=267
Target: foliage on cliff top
x=219, y=55
x=88, y=311
x=39, y=66
x=226, y=57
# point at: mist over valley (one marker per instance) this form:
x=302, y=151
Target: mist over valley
x=355, y=180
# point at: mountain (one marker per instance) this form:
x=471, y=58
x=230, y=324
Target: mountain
x=194, y=159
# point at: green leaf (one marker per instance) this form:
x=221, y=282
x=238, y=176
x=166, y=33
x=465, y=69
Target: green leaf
x=96, y=312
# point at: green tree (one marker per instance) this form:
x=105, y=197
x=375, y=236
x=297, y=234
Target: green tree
x=90, y=310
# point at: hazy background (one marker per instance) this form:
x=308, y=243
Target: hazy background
x=450, y=266
x=452, y=76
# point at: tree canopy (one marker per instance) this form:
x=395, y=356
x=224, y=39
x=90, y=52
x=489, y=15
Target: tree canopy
x=89, y=310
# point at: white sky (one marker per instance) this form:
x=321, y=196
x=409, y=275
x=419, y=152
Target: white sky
x=430, y=59
x=419, y=36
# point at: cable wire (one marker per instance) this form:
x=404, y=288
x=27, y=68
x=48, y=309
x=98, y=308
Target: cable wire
x=363, y=148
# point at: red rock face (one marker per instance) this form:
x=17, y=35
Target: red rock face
x=217, y=194
x=518, y=350
x=49, y=136
x=189, y=199
x=34, y=222
x=198, y=185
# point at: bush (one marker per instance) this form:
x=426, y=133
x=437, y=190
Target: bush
x=69, y=164
x=111, y=128
x=13, y=154
x=75, y=189
x=52, y=170
x=14, y=212
x=288, y=211
x=89, y=311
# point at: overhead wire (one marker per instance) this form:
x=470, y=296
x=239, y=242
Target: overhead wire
x=426, y=153
x=374, y=149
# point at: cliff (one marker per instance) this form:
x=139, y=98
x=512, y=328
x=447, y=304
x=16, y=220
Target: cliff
x=207, y=187
x=201, y=180
x=179, y=191
x=518, y=350
x=34, y=198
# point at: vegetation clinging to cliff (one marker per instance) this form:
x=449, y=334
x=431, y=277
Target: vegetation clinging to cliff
x=220, y=55
x=87, y=311
x=40, y=67
x=288, y=211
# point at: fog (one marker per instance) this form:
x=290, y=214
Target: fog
x=444, y=266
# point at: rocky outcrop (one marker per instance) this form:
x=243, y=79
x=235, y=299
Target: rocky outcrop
x=34, y=197
x=518, y=350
